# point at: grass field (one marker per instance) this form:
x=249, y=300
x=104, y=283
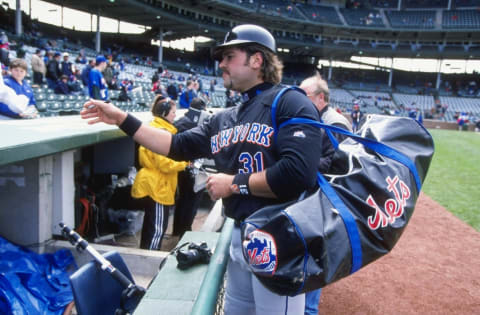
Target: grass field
x=453, y=179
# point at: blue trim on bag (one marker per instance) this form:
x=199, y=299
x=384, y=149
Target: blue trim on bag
x=305, y=255
x=374, y=145
x=333, y=140
x=348, y=220
x=274, y=107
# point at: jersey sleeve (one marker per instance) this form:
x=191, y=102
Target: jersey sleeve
x=299, y=148
x=191, y=144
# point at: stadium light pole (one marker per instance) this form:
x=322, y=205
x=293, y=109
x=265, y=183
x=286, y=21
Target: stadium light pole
x=439, y=74
x=390, y=75
x=330, y=69
x=97, y=38
x=160, y=47
x=18, y=19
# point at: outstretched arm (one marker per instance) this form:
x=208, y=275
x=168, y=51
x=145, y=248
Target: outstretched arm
x=157, y=140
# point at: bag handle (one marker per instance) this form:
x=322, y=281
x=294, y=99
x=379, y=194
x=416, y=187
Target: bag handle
x=374, y=145
x=333, y=140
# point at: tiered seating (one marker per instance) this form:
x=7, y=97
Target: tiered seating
x=341, y=98
x=428, y=4
x=369, y=98
x=384, y=3
x=361, y=17
x=282, y=8
x=249, y=4
x=411, y=19
x=320, y=14
x=461, y=19
x=461, y=104
x=466, y=3
x=366, y=86
x=422, y=102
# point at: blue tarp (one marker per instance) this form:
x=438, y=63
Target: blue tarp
x=31, y=283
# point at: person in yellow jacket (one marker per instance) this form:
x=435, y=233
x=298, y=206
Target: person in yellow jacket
x=156, y=182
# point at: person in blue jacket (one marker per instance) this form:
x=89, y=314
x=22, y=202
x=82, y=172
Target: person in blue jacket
x=97, y=86
x=16, y=82
x=187, y=96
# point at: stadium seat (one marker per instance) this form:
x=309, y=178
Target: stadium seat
x=42, y=106
x=95, y=291
x=54, y=106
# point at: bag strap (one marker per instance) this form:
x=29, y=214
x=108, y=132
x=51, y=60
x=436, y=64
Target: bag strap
x=348, y=220
x=374, y=145
x=333, y=140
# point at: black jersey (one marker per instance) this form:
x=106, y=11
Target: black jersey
x=241, y=140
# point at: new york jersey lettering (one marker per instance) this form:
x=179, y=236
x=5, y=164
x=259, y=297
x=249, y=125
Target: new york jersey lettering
x=255, y=133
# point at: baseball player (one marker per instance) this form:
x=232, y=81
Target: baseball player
x=318, y=92
x=255, y=169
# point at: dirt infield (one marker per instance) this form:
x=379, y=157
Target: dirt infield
x=434, y=269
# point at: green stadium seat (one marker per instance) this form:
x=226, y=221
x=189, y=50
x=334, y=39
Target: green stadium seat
x=42, y=106
x=54, y=106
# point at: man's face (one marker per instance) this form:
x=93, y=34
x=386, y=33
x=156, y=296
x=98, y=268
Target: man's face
x=18, y=74
x=239, y=73
x=102, y=66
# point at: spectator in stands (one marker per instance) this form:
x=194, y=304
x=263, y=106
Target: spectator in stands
x=317, y=91
x=213, y=83
x=67, y=67
x=4, y=43
x=81, y=59
x=187, y=200
x=85, y=76
x=53, y=71
x=74, y=85
x=156, y=182
x=97, y=86
x=477, y=125
x=356, y=116
x=16, y=82
x=188, y=95
x=123, y=96
x=232, y=98
x=38, y=67
x=108, y=74
x=172, y=90
x=62, y=86
x=156, y=87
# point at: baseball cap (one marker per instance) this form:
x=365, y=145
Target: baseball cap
x=56, y=54
x=65, y=54
x=100, y=59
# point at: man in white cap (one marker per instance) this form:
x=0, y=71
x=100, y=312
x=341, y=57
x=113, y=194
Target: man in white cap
x=66, y=66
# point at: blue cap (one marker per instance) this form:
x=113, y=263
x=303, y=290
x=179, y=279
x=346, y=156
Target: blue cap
x=57, y=54
x=100, y=59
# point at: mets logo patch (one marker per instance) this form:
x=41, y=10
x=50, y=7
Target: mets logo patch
x=261, y=252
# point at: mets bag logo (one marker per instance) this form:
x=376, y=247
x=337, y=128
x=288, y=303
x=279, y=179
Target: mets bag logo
x=356, y=216
x=261, y=251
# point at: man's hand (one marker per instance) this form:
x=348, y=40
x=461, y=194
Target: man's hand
x=219, y=186
x=102, y=112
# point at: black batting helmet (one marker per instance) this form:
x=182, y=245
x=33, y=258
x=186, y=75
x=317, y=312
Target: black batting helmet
x=246, y=34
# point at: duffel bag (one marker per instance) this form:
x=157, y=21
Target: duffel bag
x=356, y=216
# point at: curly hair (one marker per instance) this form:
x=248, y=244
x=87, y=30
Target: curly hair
x=272, y=67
